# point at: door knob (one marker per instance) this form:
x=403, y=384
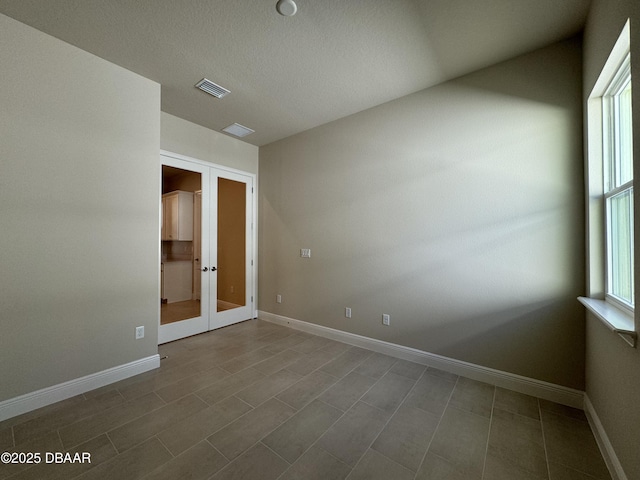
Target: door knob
x=213, y=269
x=205, y=269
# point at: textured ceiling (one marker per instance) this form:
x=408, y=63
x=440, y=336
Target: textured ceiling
x=288, y=74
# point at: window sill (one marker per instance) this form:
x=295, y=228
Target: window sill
x=615, y=319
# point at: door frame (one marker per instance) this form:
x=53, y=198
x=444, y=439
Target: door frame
x=164, y=154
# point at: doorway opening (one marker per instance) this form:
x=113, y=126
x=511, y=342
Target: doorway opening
x=208, y=240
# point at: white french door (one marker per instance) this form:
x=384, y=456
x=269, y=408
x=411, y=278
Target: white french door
x=221, y=279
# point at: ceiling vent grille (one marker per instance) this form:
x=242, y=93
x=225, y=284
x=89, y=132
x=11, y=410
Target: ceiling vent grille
x=238, y=130
x=212, y=88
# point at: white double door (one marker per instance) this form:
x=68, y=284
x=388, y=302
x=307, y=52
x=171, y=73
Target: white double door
x=220, y=254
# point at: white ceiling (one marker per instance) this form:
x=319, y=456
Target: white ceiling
x=288, y=74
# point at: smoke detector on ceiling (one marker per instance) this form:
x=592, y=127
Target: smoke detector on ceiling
x=287, y=8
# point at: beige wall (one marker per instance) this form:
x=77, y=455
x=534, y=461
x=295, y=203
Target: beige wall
x=612, y=367
x=186, y=138
x=79, y=190
x=458, y=210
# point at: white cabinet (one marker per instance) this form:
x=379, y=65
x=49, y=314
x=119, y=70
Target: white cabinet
x=177, y=281
x=177, y=216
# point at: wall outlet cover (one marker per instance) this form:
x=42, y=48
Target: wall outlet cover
x=139, y=333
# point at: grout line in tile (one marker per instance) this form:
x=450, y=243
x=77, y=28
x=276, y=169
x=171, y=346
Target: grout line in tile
x=446, y=460
x=223, y=455
x=200, y=398
x=328, y=361
x=521, y=415
x=238, y=398
x=317, y=397
x=136, y=444
x=60, y=440
x=486, y=451
x=210, y=434
x=544, y=440
x=167, y=448
x=350, y=371
x=161, y=399
x=328, y=453
x=328, y=428
x=66, y=449
x=118, y=452
x=318, y=439
x=415, y=382
x=243, y=415
x=261, y=438
x=383, y=374
x=271, y=450
x=388, y=458
x=439, y=421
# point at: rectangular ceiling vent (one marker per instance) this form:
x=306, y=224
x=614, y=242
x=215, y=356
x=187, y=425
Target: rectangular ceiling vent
x=212, y=88
x=238, y=130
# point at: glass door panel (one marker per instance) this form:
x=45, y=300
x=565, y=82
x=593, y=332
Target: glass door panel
x=231, y=247
x=183, y=310
x=231, y=244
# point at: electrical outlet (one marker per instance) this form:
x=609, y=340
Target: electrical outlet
x=386, y=319
x=305, y=252
x=278, y=298
x=347, y=312
x=139, y=333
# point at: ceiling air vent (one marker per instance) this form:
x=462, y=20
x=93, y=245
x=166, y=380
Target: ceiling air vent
x=212, y=88
x=238, y=130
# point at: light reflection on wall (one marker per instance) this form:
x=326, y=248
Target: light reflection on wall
x=458, y=210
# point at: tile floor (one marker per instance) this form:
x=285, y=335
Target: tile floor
x=261, y=401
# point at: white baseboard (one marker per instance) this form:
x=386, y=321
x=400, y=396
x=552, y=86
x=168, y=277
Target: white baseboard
x=530, y=386
x=606, y=448
x=41, y=398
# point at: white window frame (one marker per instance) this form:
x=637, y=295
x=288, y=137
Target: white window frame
x=611, y=181
x=617, y=316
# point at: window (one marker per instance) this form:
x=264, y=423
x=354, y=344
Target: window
x=617, y=156
x=610, y=213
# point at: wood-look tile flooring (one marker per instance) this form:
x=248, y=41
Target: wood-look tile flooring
x=261, y=401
